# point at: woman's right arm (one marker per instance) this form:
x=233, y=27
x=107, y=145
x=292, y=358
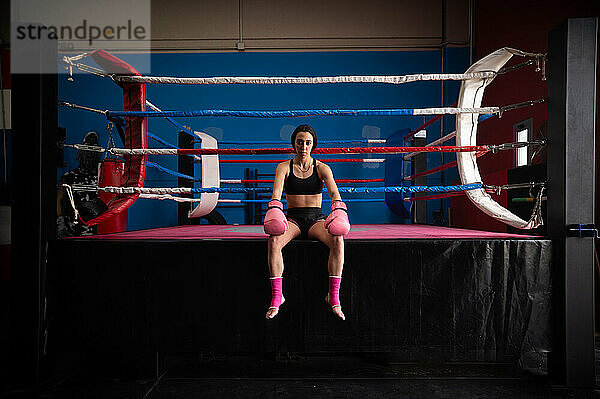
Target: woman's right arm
x=280, y=173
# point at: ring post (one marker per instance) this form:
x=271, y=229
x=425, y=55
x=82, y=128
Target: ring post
x=571, y=158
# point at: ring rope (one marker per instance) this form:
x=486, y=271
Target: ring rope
x=427, y=123
x=358, y=141
x=173, y=121
x=440, y=168
x=69, y=191
x=310, y=112
x=314, y=112
x=389, y=79
x=437, y=196
x=540, y=61
x=171, y=172
x=236, y=190
x=164, y=142
x=327, y=150
x=267, y=151
x=445, y=138
x=247, y=181
x=364, y=160
x=441, y=140
x=241, y=201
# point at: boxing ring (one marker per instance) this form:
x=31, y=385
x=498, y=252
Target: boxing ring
x=412, y=291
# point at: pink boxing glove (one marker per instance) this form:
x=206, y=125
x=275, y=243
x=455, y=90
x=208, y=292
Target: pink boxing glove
x=275, y=222
x=337, y=222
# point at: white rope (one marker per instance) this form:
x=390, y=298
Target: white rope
x=143, y=151
x=146, y=190
x=392, y=79
x=183, y=199
x=168, y=197
x=456, y=111
x=71, y=200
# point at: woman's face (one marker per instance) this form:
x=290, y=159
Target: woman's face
x=303, y=144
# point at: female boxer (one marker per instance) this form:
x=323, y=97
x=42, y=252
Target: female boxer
x=302, y=179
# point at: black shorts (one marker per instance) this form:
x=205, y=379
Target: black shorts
x=304, y=218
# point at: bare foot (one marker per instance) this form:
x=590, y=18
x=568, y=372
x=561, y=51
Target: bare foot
x=337, y=310
x=272, y=312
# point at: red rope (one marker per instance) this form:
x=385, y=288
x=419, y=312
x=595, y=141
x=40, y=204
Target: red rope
x=423, y=126
x=439, y=168
x=348, y=150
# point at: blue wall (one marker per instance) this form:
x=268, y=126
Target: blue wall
x=103, y=94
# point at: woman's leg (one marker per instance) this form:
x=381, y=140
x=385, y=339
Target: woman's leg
x=275, y=260
x=335, y=263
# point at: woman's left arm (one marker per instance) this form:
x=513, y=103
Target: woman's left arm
x=337, y=222
x=327, y=176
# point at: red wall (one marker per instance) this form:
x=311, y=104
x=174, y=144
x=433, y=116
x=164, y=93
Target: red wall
x=523, y=25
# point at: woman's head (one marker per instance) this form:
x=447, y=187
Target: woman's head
x=305, y=138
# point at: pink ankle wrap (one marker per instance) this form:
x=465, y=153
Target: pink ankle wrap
x=334, y=290
x=276, y=292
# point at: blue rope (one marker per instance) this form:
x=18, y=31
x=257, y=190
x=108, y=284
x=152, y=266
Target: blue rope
x=485, y=117
x=266, y=114
x=156, y=138
x=352, y=190
x=171, y=172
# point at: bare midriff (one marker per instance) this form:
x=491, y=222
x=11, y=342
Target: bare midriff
x=304, y=201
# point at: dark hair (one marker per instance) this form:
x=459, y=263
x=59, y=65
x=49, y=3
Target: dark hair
x=307, y=129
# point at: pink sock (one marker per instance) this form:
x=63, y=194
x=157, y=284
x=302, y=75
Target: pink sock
x=276, y=292
x=334, y=290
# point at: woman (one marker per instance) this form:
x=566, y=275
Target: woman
x=302, y=178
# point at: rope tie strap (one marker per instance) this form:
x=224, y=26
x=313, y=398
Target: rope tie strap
x=530, y=185
x=85, y=147
x=75, y=106
x=536, y=213
x=494, y=148
x=69, y=65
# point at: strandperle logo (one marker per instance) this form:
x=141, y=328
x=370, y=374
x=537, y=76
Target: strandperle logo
x=42, y=30
x=84, y=31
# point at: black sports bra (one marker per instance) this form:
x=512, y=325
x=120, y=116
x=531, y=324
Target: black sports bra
x=294, y=185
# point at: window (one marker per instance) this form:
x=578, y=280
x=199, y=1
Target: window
x=522, y=132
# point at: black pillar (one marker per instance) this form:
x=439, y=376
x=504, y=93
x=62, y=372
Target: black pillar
x=185, y=165
x=571, y=158
x=34, y=155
